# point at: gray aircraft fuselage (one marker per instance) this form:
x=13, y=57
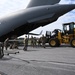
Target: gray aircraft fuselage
x=24, y=21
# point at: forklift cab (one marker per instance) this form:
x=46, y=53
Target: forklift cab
x=69, y=28
x=48, y=34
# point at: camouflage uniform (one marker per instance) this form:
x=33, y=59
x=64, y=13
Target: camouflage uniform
x=1, y=49
x=35, y=41
x=32, y=41
x=39, y=42
x=25, y=43
x=6, y=43
x=15, y=44
x=43, y=40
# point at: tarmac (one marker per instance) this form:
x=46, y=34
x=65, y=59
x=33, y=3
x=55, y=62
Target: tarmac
x=38, y=61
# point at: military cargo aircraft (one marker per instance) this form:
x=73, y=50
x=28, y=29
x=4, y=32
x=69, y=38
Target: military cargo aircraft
x=38, y=13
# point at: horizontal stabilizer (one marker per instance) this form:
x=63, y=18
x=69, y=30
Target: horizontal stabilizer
x=34, y=3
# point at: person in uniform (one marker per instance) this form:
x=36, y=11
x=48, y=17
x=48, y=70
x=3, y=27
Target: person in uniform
x=32, y=41
x=15, y=44
x=43, y=40
x=25, y=43
x=6, y=43
x=35, y=41
x=1, y=49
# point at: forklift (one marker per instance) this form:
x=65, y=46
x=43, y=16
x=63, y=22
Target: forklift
x=65, y=36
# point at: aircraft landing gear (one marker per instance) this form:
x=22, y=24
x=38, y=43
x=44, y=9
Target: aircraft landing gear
x=1, y=50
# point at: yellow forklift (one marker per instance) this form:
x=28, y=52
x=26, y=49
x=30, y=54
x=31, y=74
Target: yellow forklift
x=65, y=36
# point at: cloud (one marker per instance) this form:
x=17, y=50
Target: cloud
x=67, y=2
x=2, y=2
x=8, y=6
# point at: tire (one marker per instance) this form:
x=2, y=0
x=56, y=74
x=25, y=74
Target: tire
x=72, y=42
x=54, y=42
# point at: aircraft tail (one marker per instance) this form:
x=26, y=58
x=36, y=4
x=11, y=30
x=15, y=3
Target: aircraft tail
x=34, y=3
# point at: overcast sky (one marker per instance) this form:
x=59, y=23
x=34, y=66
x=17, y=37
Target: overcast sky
x=9, y=6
